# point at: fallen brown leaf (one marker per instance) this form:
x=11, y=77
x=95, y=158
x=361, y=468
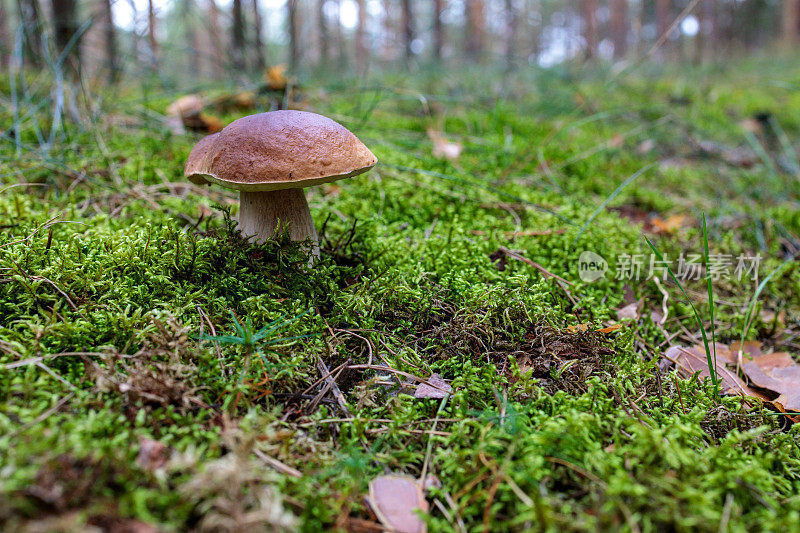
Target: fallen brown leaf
x=629, y=311
x=440, y=388
x=669, y=224
x=773, y=378
x=395, y=500
x=610, y=329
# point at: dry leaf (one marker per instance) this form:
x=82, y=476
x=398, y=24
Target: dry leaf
x=578, y=327
x=774, y=378
x=440, y=388
x=152, y=454
x=396, y=500
x=692, y=361
x=629, y=311
x=585, y=327
x=276, y=77
x=668, y=225
x=442, y=148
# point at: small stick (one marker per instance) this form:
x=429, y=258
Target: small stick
x=277, y=465
x=537, y=266
x=323, y=369
x=44, y=415
x=522, y=233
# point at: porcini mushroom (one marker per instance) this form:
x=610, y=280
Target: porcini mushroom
x=269, y=158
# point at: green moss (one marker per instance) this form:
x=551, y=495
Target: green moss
x=109, y=255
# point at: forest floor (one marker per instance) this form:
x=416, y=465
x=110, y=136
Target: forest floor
x=134, y=398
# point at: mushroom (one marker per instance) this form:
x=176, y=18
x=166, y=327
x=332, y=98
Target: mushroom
x=269, y=158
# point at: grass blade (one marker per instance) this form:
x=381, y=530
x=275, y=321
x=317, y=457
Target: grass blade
x=714, y=376
x=613, y=195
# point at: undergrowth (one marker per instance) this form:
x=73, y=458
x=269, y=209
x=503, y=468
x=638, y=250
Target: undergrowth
x=117, y=276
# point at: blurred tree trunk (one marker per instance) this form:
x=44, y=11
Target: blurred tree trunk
x=151, y=29
x=535, y=29
x=590, y=28
x=192, y=41
x=408, y=29
x=237, y=35
x=714, y=23
x=324, y=36
x=619, y=27
x=112, y=53
x=511, y=32
x=294, y=52
x=474, y=39
x=389, y=45
x=438, y=29
x=340, y=40
x=700, y=38
x=30, y=18
x=361, y=35
x=260, y=49
x=216, y=44
x=663, y=8
x=791, y=21
x=65, y=27
x=5, y=41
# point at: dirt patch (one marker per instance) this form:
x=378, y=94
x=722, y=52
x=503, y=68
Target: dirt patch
x=559, y=359
x=162, y=373
x=66, y=482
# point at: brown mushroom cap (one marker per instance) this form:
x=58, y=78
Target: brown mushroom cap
x=278, y=150
x=197, y=155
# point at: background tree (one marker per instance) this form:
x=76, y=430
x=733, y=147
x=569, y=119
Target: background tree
x=323, y=33
x=30, y=18
x=408, y=29
x=590, y=28
x=214, y=40
x=619, y=27
x=237, y=36
x=5, y=39
x=65, y=28
x=294, y=51
x=663, y=19
x=438, y=29
x=791, y=22
x=151, y=33
x=260, y=52
x=511, y=31
x=110, y=41
x=361, y=35
x=474, y=38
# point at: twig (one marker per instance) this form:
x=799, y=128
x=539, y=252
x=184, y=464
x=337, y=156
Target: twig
x=204, y=316
x=514, y=255
x=430, y=438
x=44, y=415
x=323, y=369
x=277, y=465
x=38, y=359
x=522, y=233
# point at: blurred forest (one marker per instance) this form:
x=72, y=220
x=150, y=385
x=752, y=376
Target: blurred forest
x=216, y=39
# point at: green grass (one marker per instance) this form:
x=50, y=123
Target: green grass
x=113, y=271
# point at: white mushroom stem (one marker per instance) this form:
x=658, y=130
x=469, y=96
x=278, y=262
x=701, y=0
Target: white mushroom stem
x=263, y=214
